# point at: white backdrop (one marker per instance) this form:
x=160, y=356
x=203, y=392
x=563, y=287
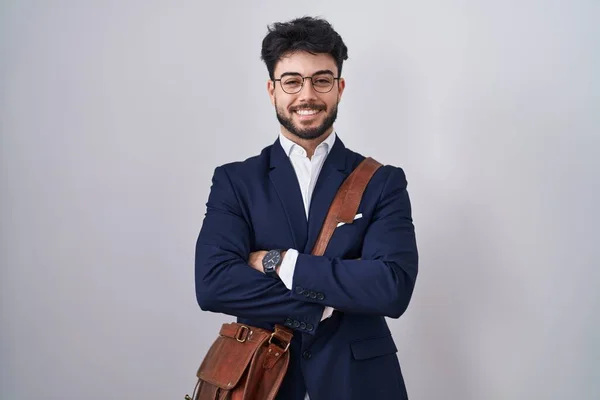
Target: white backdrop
x=113, y=115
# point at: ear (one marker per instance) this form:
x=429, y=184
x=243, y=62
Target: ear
x=271, y=90
x=341, y=87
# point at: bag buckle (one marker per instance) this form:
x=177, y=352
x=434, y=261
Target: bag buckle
x=279, y=343
x=242, y=333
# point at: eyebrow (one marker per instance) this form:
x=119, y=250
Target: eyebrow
x=322, y=71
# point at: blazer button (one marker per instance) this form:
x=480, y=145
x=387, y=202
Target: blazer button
x=299, y=289
x=306, y=355
x=288, y=322
x=296, y=324
x=309, y=327
x=320, y=296
x=302, y=325
x=313, y=295
x=306, y=293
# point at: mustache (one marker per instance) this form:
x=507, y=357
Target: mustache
x=309, y=106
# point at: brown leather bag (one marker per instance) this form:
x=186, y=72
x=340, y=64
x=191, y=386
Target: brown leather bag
x=249, y=363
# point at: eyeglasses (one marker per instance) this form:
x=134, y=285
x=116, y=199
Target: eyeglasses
x=293, y=83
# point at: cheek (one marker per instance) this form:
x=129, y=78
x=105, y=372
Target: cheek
x=281, y=104
x=281, y=108
x=333, y=100
x=329, y=101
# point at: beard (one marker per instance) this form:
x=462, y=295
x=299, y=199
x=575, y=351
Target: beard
x=307, y=133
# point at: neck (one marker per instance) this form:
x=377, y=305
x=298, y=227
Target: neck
x=309, y=145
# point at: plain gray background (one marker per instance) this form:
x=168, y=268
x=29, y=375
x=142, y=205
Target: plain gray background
x=114, y=114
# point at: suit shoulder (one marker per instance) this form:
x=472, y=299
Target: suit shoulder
x=385, y=171
x=248, y=167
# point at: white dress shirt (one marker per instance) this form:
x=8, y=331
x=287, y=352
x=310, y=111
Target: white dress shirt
x=307, y=172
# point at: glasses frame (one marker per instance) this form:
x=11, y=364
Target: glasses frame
x=311, y=83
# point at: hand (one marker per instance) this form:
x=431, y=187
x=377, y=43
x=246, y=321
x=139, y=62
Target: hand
x=255, y=260
x=256, y=257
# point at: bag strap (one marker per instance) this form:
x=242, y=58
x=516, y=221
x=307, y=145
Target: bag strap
x=345, y=204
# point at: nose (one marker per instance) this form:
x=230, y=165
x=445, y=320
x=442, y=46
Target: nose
x=307, y=92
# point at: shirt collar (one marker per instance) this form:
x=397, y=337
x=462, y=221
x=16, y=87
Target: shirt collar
x=289, y=146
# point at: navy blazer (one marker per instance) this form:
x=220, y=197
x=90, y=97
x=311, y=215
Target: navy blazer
x=368, y=271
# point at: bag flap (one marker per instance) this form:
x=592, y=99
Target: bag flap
x=375, y=347
x=227, y=360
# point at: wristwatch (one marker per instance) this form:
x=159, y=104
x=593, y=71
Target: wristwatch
x=271, y=261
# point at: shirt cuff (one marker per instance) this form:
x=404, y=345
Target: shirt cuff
x=287, y=267
x=327, y=313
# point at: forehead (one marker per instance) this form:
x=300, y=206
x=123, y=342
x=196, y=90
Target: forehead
x=305, y=63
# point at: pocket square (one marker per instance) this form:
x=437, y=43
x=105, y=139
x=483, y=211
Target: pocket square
x=357, y=216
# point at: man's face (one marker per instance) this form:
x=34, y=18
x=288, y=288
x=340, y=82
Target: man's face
x=307, y=114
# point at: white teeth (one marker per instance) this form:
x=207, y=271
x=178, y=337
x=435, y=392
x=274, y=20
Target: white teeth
x=307, y=112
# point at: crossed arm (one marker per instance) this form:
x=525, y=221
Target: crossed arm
x=229, y=281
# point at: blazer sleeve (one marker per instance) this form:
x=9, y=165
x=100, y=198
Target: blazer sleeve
x=382, y=281
x=225, y=283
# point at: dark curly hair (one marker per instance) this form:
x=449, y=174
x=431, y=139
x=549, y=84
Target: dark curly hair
x=314, y=35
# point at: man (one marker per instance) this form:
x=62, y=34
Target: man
x=264, y=215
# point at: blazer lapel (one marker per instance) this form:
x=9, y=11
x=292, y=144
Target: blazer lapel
x=286, y=185
x=331, y=177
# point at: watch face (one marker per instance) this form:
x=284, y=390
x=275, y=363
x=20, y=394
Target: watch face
x=271, y=259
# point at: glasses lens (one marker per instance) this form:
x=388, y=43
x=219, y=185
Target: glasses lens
x=291, y=84
x=323, y=82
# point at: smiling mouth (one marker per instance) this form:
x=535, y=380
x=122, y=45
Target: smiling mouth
x=305, y=111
